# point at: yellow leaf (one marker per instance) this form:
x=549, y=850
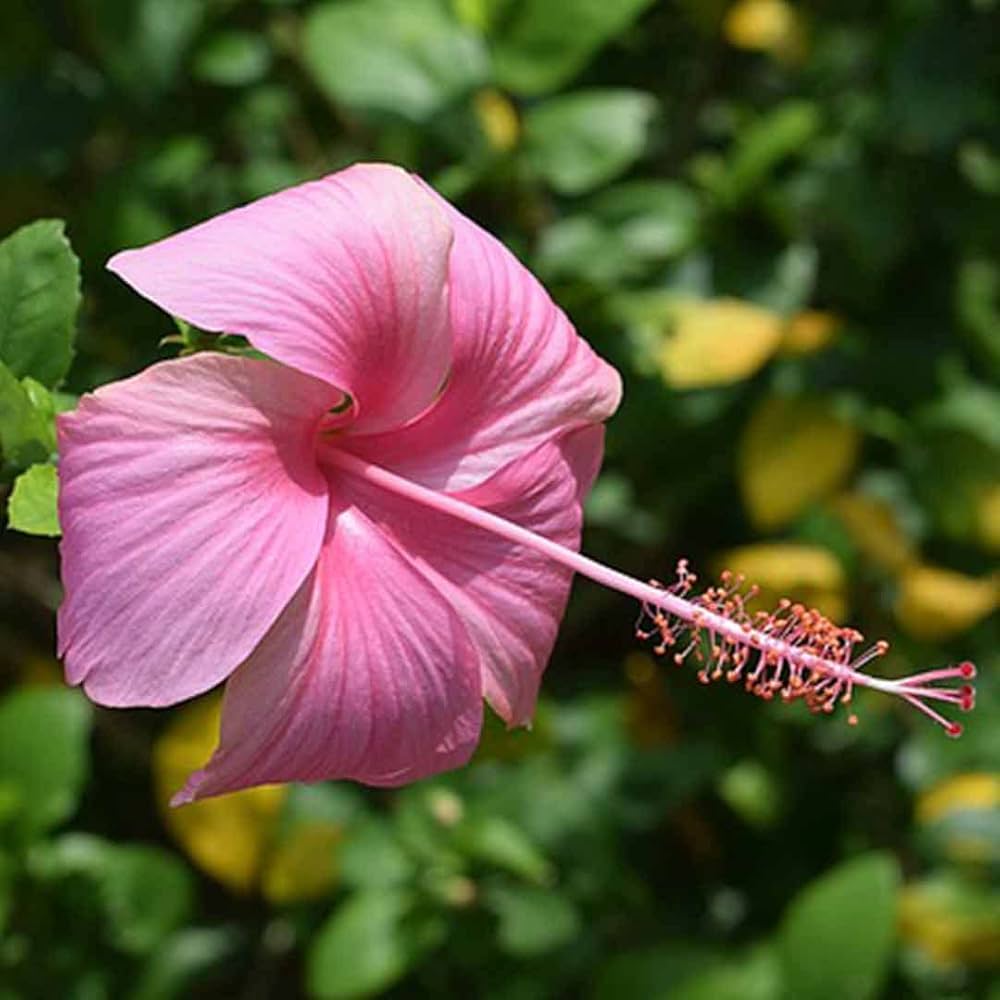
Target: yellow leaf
x=963, y=791
x=793, y=453
x=808, y=332
x=988, y=518
x=952, y=923
x=228, y=836
x=498, y=119
x=717, y=342
x=805, y=573
x=966, y=809
x=874, y=528
x=772, y=26
x=303, y=865
x=935, y=603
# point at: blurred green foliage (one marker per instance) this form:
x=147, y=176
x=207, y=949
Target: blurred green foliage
x=779, y=220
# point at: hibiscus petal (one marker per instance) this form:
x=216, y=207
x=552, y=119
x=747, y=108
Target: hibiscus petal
x=368, y=675
x=520, y=374
x=192, y=509
x=510, y=599
x=343, y=278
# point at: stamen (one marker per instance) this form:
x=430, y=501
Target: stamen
x=793, y=652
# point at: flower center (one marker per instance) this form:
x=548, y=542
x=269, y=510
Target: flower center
x=337, y=417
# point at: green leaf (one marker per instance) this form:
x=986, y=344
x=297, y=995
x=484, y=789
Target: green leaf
x=757, y=976
x=322, y=803
x=408, y=57
x=953, y=456
x=612, y=504
x=143, y=43
x=180, y=162
x=27, y=433
x=39, y=298
x=543, y=44
x=980, y=166
x=147, y=894
x=582, y=140
x=368, y=944
x=420, y=831
x=144, y=892
x=500, y=843
x=32, y=507
x=761, y=147
x=655, y=220
x=978, y=305
x=371, y=857
x=628, y=230
x=68, y=856
x=182, y=957
x=752, y=792
x=532, y=921
x=579, y=248
x=6, y=889
x=480, y=14
x=653, y=973
x=233, y=59
x=788, y=287
x=45, y=402
x=836, y=939
x=971, y=408
x=43, y=754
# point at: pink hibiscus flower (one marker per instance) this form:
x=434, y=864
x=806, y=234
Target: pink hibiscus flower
x=376, y=528
x=215, y=524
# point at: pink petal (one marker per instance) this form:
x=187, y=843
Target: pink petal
x=520, y=374
x=342, y=278
x=192, y=509
x=510, y=599
x=368, y=675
